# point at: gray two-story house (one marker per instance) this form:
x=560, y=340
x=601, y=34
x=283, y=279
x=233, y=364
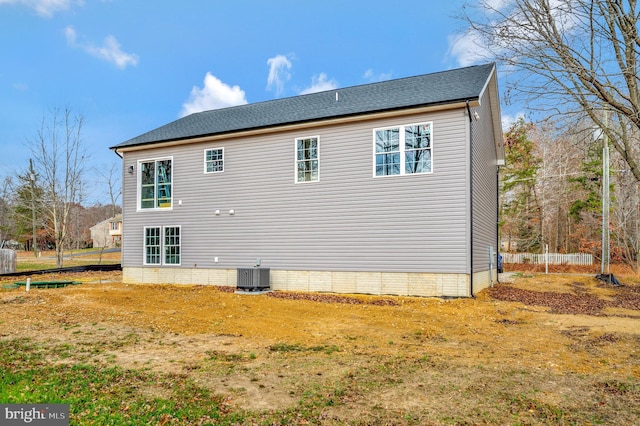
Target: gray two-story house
x=383, y=188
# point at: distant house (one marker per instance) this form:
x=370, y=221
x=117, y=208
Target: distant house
x=107, y=233
x=384, y=188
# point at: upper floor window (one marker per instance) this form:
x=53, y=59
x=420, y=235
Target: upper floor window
x=402, y=150
x=307, y=166
x=155, y=183
x=214, y=160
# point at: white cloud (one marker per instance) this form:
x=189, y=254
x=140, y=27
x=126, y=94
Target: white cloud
x=508, y=29
x=44, y=8
x=467, y=49
x=319, y=83
x=109, y=51
x=509, y=119
x=496, y=5
x=279, y=67
x=70, y=34
x=213, y=95
x=372, y=77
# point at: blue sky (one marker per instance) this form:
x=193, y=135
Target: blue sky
x=131, y=66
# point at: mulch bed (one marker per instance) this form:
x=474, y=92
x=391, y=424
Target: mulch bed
x=320, y=297
x=332, y=298
x=566, y=303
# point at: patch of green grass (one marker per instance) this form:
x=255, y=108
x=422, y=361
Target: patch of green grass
x=18, y=353
x=616, y=387
x=224, y=357
x=286, y=347
x=42, y=264
x=105, y=395
x=109, y=395
x=523, y=275
x=525, y=406
x=297, y=347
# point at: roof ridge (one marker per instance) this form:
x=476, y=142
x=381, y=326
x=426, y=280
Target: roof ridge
x=375, y=83
x=423, y=90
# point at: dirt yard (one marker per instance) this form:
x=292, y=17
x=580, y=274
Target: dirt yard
x=510, y=355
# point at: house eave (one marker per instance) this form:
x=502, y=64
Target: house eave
x=496, y=115
x=297, y=126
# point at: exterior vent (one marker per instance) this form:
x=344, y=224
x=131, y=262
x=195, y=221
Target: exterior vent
x=253, y=279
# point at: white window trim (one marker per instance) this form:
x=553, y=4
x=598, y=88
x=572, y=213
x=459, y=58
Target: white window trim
x=144, y=246
x=295, y=159
x=139, y=184
x=162, y=246
x=401, y=127
x=205, y=161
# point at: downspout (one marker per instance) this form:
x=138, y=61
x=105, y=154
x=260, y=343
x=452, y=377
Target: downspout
x=498, y=223
x=470, y=200
x=117, y=153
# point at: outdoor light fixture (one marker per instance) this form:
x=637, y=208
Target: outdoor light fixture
x=131, y=169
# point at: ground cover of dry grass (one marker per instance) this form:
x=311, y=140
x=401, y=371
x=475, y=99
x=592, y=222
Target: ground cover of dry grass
x=543, y=349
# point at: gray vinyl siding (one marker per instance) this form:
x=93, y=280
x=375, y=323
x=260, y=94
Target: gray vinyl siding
x=485, y=188
x=347, y=221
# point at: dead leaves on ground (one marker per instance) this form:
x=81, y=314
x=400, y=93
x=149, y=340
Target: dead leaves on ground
x=580, y=302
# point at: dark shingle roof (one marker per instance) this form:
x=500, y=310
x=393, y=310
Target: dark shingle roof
x=423, y=90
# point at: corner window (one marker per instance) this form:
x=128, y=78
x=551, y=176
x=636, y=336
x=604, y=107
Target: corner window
x=307, y=162
x=402, y=150
x=155, y=185
x=152, y=246
x=159, y=240
x=214, y=160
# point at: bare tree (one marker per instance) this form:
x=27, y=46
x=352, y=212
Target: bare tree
x=59, y=160
x=568, y=57
x=112, y=178
x=5, y=206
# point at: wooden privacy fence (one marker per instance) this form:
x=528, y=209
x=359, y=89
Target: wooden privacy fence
x=8, y=261
x=554, y=258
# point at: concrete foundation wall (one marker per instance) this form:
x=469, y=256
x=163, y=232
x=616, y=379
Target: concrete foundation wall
x=484, y=279
x=392, y=283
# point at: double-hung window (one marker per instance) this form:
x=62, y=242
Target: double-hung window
x=214, y=160
x=402, y=150
x=162, y=245
x=307, y=159
x=155, y=183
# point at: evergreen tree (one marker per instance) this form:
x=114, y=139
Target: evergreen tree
x=521, y=208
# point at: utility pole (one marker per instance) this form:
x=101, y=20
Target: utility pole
x=605, y=200
x=32, y=184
